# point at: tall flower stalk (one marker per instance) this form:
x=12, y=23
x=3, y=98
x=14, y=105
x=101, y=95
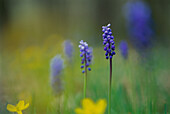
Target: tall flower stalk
x=86, y=54
x=109, y=48
x=56, y=68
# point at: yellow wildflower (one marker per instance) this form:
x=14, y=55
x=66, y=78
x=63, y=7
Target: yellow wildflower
x=18, y=108
x=89, y=107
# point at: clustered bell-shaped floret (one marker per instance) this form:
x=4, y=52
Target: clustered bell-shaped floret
x=86, y=54
x=108, y=42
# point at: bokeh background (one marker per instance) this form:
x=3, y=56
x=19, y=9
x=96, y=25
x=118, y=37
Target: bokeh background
x=32, y=32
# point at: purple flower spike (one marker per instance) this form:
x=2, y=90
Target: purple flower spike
x=139, y=24
x=108, y=41
x=86, y=53
x=123, y=46
x=68, y=49
x=56, y=67
x=110, y=51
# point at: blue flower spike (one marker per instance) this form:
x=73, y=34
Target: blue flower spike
x=86, y=54
x=108, y=41
x=109, y=48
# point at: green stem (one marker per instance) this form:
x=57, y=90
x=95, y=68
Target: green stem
x=59, y=104
x=109, y=88
x=109, y=101
x=165, y=108
x=85, y=84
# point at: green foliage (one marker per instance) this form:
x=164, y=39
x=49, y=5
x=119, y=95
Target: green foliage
x=137, y=87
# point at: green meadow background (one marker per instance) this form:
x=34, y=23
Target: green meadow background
x=32, y=32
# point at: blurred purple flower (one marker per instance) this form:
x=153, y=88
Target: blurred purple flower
x=139, y=24
x=86, y=54
x=68, y=49
x=123, y=46
x=56, y=66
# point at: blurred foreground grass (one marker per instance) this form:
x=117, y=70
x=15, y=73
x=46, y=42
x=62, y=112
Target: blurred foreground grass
x=139, y=86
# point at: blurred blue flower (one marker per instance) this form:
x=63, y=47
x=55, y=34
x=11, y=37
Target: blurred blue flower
x=123, y=46
x=108, y=41
x=86, y=54
x=68, y=49
x=139, y=24
x=56, y=66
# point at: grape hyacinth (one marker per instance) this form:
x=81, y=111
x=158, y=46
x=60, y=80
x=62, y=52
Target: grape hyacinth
x=110, y=51
x=123, y=46
x=108, y=42
x=56, y=67
x=139, y=24
x=86, y=54
x=68, y=49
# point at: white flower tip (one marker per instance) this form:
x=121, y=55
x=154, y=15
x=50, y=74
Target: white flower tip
x=82, y=47
x=109, y=25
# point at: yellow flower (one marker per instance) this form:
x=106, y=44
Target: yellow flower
x=18, y=108
x=89, y=107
